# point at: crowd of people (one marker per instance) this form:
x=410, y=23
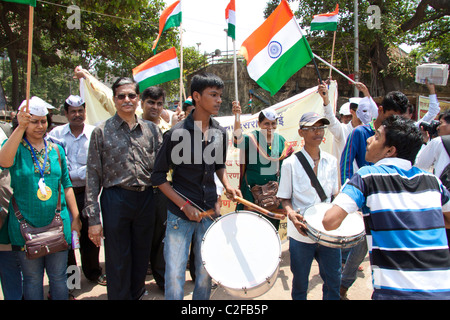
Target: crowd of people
x=149, y=187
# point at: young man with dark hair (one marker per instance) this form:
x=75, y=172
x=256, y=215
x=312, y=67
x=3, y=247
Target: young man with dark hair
x=394, y=102
x=120, y=162
x=195, y=149
x=405, y=211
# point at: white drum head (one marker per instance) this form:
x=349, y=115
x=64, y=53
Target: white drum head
x=241, y=250
x=352, y=225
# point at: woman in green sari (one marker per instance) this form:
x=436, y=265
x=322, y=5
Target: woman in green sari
x=262, y=153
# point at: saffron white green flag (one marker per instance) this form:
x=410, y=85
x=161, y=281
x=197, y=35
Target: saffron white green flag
x=230, y=16
x=326, y=21
x=158, y=69
x=170, y=17
x=276, y=50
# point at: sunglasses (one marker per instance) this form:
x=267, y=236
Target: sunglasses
x=314, y=129
x=130, y=96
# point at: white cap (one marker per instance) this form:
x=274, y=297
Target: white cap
x=37, y=106
x=74, y=101
x=270, y=114
x=345, y=109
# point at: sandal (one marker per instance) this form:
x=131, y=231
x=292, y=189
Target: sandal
x=101, y=280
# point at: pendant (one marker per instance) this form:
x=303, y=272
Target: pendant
x=45, y=197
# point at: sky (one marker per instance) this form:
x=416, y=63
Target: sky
x=204, y=22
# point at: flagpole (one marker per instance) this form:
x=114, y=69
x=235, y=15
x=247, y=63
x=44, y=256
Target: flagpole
x=235, y=77
x=332, y=51
x=30, y=53
x=180, y=104
x=338, y=71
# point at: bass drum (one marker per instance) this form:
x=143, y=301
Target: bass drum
x=241, y=251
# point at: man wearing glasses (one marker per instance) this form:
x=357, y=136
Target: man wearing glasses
x=120, y=162
x=297, y=193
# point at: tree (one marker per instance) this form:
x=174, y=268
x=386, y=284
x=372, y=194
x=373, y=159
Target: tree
x=382, y=65
x=114, y=37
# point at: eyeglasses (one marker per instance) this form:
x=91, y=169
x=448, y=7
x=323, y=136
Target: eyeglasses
x=314, y=129
x=130, y=96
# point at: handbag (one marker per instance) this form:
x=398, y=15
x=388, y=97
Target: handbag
x=42, y=241
x=314, y=181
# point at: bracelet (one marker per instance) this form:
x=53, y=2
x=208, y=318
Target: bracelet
x=184, y=205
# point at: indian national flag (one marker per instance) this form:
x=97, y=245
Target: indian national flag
x=230, y=16
x=276, y=50
x=158, y=69
x=28, y=2
x=170, y=17
x=326, y=21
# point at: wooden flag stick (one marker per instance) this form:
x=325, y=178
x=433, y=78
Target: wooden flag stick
x=332, y=52
x=237, y=116
x=30, y=54
x=180, y=104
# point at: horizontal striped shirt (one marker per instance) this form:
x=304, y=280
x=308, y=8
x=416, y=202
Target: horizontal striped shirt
x=403, y=212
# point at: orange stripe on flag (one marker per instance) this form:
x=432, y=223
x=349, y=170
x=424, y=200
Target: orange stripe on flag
x=259, y=39
x=231, y=6
x=329, y=14
x=156, y=60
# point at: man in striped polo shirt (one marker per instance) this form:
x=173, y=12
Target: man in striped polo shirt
x=405, y=211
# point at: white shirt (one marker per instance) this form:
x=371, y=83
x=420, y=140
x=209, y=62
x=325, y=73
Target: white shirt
x=76, y=151
x=339, y=130
x=295, y=185
x=433, y=154
x=433, y=110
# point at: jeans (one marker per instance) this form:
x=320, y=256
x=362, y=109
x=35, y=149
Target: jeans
x=355, y=258
x=179, y=233
x=329, y=260
x=55, y=265
x=10, y=275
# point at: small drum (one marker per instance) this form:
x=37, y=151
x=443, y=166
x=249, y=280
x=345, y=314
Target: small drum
x=241, y=251
x=349, y=233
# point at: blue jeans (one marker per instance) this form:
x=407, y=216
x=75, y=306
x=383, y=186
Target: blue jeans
x=55, y=265
x=179, y=233
x=355, y=258
x=10, y=275
x=329, y=260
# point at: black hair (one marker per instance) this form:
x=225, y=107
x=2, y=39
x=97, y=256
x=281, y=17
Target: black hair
x=261, y=117
x=404, y=135
x=353, y=106
x=123, y=81
x=154, y=93
x=202, y=81
x=445, y=116
x=66, y=106
x=395, y=100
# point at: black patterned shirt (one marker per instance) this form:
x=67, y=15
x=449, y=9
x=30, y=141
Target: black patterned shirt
x=119, y=156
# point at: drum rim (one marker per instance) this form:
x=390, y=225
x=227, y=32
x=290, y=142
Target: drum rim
x=274, y=272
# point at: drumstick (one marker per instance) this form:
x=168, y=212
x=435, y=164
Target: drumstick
x=260, y=209
x=207, y=213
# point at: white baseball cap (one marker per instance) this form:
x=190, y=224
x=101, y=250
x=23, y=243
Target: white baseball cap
x=345, y=109
x=37, y=106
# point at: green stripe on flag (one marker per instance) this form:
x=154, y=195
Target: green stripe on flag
x=232, y=31
x=288, y=63
x=328, y=26
x=159, y=78
x=28, y=2
x=173, y=21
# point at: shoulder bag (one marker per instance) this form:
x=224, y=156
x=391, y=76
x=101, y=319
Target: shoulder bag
x=42, y=241
x=314, y=181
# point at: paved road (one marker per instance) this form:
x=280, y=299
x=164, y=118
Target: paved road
x=361, y=290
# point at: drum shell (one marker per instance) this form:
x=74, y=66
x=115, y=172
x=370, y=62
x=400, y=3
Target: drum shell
x=242, y=245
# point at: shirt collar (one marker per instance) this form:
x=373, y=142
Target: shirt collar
x=398, y=162
x=189, y=122
x=118, y=121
